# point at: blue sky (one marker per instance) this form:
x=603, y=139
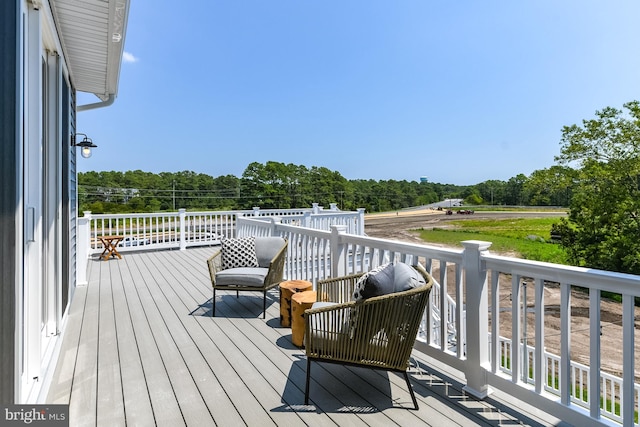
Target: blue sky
x=461, y=92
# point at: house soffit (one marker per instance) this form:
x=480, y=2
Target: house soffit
x=92, y=34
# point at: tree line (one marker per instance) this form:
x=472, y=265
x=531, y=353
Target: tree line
x=596, y=176
x=278, y=185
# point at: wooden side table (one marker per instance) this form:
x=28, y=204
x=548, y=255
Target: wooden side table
x=110, y=244
x=287, y=289
x=300, y=302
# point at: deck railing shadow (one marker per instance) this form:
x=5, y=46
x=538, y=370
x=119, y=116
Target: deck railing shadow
x=430, y=382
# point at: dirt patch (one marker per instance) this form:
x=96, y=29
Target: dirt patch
x=400, y=225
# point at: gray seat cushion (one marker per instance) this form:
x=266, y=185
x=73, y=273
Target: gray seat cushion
x=242, y=276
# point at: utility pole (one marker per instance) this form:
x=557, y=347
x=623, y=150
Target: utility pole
x=174, y=194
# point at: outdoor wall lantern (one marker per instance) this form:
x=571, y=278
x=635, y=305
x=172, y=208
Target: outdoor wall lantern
x=86, y=145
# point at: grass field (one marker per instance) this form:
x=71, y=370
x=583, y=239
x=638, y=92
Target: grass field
x=507, y=236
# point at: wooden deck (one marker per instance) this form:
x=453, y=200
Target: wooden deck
x=141, y=348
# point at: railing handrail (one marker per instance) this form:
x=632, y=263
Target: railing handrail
x=156, y=214
x=602, y=280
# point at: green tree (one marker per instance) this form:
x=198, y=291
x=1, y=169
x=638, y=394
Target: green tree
x=279, y=185
x=551, y=187
x=227, y=192
x=426, y=193
x=492, y=191
x=603, y=229
x=514, y=191
x=473, y=199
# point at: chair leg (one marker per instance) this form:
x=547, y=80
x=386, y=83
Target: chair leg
x=306, y=387
x=413, y=396
x=213, y=312
x=264, y=305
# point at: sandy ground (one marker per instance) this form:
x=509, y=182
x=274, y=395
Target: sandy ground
x=400, y=225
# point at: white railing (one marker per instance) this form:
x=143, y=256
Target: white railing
x=183, y=229
x=580, y=396
x=570, y=380
x=160, y=230
x=611, y=385
x=316, y=218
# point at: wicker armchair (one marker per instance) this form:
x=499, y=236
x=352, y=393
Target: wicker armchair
x=267, y=273
x=378, y=332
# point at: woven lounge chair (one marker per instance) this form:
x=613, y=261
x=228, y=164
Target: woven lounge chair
x=248, y=264
x=378, y=332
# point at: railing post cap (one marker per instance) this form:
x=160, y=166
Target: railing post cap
x=182, y=210
x=479, y=245
x=339, y=228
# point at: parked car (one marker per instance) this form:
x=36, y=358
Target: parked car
x=134, y=241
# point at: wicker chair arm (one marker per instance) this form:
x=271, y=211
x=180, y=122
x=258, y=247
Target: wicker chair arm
x=339, y=289
x=276, y=267
x=313, y=311
x=215, y=265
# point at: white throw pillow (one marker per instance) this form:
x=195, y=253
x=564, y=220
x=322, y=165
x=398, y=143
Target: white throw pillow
x=240, y=252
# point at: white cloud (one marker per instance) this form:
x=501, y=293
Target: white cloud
x=128, y=57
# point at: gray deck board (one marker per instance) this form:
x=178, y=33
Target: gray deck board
x=161, y=393
x=64, y=373
x=245, y=361
x=110, y=404
x=194, y=349
x=84, y=389
x=169, y=336
x=141, y=348
x=136, y=397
